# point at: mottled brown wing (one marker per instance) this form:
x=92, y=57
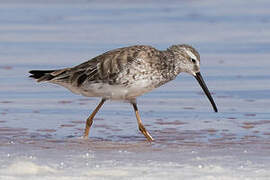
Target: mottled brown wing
x=105, y=68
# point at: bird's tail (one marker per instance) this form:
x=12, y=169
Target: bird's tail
x=46, y=75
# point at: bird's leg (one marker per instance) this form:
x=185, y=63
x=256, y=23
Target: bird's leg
x=89, y=121
x=141, y=126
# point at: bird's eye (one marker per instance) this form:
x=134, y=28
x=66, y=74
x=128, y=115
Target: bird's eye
x=193, y=60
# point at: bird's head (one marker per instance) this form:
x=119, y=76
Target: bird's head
x=187, y=59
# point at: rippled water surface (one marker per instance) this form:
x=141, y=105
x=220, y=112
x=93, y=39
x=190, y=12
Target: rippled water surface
x=41, y=124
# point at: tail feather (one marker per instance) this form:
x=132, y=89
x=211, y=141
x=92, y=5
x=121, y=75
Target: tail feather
x=47, y=75
x=41, y=75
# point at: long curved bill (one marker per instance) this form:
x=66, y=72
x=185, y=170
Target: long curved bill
x=205, y=89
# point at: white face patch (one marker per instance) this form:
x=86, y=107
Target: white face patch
x=191, y=54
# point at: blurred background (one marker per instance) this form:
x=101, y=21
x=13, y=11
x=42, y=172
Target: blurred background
x=41, y=124
x=87, y=28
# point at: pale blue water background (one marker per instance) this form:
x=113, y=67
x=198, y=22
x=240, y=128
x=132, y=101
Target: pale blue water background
x=41, y=124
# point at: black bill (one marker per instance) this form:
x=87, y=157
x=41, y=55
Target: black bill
x=205, y=89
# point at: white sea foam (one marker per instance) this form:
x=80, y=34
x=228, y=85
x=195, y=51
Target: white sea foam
x=149, y=171
x=26, y=168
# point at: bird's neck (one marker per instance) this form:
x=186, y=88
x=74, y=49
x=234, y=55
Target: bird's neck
x=171, y=62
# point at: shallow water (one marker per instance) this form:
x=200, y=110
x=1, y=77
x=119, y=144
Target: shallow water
x=41, y=124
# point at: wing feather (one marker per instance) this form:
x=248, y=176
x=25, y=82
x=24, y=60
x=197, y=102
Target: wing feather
x=105, y=68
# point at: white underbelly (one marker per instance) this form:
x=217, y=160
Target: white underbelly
x=117, y=92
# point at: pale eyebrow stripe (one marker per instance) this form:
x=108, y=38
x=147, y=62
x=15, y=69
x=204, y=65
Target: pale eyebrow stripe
x=191, y=54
